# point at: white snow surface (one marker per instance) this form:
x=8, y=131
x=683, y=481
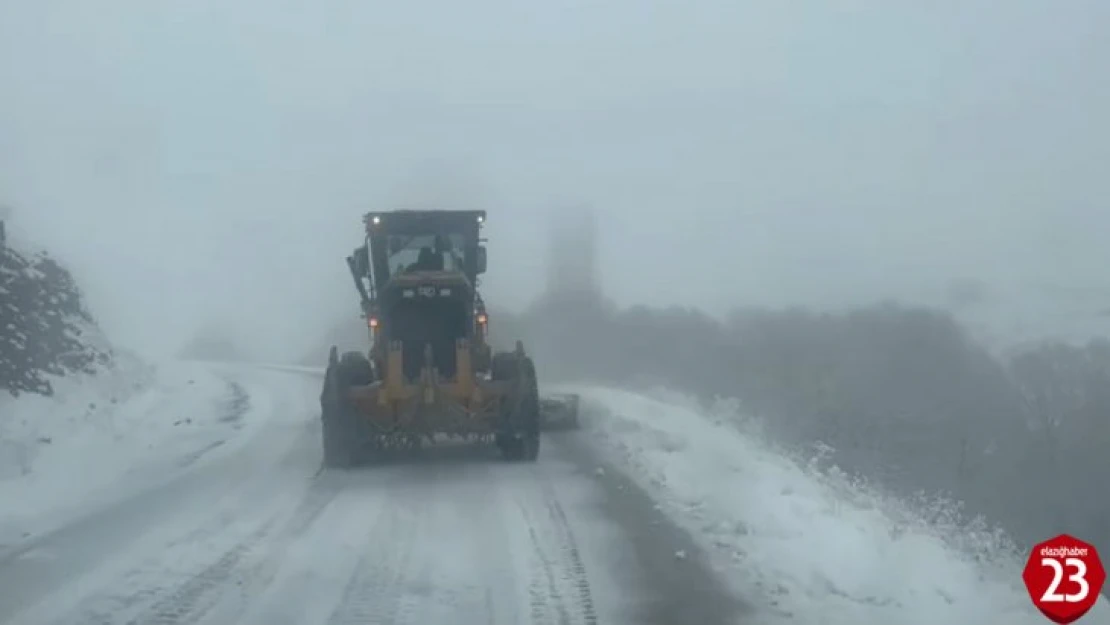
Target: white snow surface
x=263, y=536
x=802, y=545
x=105, y=436
x=806, y=546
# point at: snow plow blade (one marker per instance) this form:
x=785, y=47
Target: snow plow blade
x=559, y=412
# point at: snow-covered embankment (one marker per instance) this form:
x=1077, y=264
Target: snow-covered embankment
x=809, y=546
x=103, y=437
x=80, y=422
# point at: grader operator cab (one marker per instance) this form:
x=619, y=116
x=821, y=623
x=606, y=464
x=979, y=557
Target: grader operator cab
x=430, y=371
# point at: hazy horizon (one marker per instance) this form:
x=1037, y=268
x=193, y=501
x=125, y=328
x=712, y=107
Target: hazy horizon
x=199, y=162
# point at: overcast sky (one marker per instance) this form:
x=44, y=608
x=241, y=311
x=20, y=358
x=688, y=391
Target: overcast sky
x=202, y=159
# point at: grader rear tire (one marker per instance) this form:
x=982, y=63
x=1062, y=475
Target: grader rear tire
x=519, y=438
x=344, y=429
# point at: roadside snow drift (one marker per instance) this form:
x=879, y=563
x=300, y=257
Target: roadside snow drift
x=805, y=546
x=100, y=437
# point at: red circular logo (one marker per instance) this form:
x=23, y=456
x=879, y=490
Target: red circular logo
x=1064, y=577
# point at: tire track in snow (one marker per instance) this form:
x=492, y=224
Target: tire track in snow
x=454, y=542
x=233, y=568
x=373, y=594
x=543, y=591
x=575, y=573
x=559, y=588
x=191, y=601
x=253, y=576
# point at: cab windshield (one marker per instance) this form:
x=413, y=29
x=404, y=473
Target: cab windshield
x=425, y=252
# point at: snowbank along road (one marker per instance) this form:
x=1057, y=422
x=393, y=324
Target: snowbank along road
x=201, y=500
x=245, y=527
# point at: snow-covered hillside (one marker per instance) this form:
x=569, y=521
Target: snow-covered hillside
x=814, y=546
x=79, y=418
x=45, y=329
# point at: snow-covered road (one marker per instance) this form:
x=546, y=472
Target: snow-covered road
x=202, y=502
x=254, y=532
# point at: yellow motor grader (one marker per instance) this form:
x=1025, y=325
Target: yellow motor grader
x=430, y=371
